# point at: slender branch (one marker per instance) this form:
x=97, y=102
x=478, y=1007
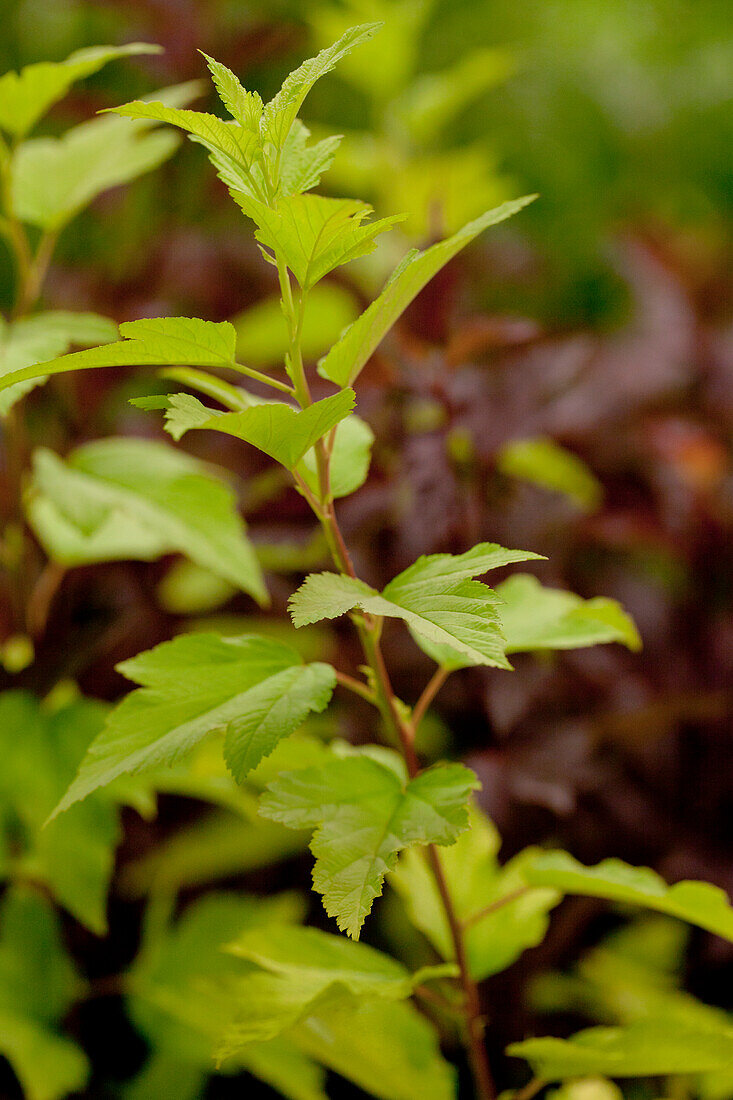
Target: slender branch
x=357, y=686
x=266, y=380
x=430, y=691
x=495, y=905
x=535, y=1085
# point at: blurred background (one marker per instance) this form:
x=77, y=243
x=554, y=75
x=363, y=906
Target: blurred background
x=594, y=329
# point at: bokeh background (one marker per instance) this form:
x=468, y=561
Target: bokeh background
x=599, y=318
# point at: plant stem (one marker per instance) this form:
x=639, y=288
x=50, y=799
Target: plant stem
x=495, y=905
x=431, y=690
x=354, y=685
x=401, y=729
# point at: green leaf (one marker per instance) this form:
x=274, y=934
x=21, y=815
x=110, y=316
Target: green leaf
x=38, y=984
x=26, y=96
x=47, y=1065
x=41, y=750
x=363, y=815
x=191, y=687
x=54, y=178
x=262, y=335
x=697, y=903
x=385, y=1047
x=301, y=165
x=240, y=148
x=313, y=234
x=346, y=358
x=534, y=617
x=281, y=112
x=477, y=883
x=286, y=1069
x=34, y=339
x=275, y=709
x=545, y=463
x=442, y=607
x=279, y=430
x=118, y=498
x=244, y=107
x=350, y=458
x=645, y=1048
x=158, y=341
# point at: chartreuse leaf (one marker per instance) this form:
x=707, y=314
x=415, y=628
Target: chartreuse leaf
x=192, y=686
x=54, y=178
x=26, y=96
x=434, y=596
x=158, y=341
x=137, y=498
x=34, y=339
x=385, y=1047
x=189, y=957
x=281, y=112
x=301, y=969
x=645, y=1048
x=545, y=463
x=698, y=903
x=350, y=458
x=534, y=617
x=363, y=815
x=279, y=430
x=244, y=107
x=314, y=234
x=241, y=148
x=477, y=883
x=301, y=164
x=41, y=750
x=346, y=358
x=37, y=986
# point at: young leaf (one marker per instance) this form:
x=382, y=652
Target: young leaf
x=244, y=107
x=158, y=341
x=34, y=339
x=350, y=458
x=54, y=178
x=26, y=96
x=363, y=816
x=434, y=596
x=534, y=617
x=281, y=112
x=545, y=463
x=137, y=498
x=346, y=358
x=387, y=1048
x=314, y=234
x=302, y=165
x=240, y=147
x=697, y=903
x=646, y=1048
x=279, y=430
x=191, y=687
x=476, y=883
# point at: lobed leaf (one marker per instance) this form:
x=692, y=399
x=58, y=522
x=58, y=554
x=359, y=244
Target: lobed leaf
x=281, y=431
x=435, y=597
x=191, y=687
x=280, y=112
x=302, y=165
x=119, y=498
x=314, y=235
x=26, y=96
x=344, y=361
x=244, y=107
x=698, y=903
x=363, y=815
